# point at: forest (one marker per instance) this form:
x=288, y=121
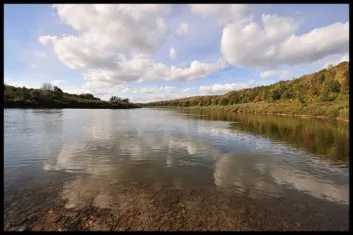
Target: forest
x=53, y=97
x=324, y=93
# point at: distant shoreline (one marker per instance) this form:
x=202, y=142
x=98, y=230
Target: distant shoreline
x=65, y=107
x=54, y=98
x=224, y=109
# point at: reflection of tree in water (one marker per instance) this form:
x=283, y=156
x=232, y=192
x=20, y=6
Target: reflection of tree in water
x=326, y=138
x=113, y=151
x=50, y=120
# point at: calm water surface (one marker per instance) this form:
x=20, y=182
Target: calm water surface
x=153, y=169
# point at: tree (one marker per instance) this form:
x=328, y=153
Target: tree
x=87, y=96
x=330, y=90
x=334, y=86
x=126, y=100
x=223, y=101
x=275, y=94
x=58, y=93
x=115, y=99
x=47, y=86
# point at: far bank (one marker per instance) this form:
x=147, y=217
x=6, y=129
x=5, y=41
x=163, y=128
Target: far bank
x=332, y=110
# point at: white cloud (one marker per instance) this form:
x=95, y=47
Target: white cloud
x=142, y=69
x=223, y=88
x=45, y=40
x=115, y=43
x=182, y=29
x=189, y=89
x=107, y=31
x=251, y=45
x=223, y=13
x=283, y=74
x=335, y=62
x=157, y=90
x=172, y=53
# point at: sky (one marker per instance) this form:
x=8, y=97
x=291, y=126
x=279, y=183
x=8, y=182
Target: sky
x=151, y=52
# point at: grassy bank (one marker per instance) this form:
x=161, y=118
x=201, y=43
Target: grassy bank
x=333, y=110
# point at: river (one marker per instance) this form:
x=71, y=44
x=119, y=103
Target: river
x=159, y=169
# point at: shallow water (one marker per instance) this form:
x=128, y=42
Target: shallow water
x=155, y=169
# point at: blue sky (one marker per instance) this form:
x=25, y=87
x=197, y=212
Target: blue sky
x=155, y=52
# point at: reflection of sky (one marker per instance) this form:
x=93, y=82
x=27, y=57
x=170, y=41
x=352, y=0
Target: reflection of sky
x=112, y=146
x=31, y=136
x=259, y=174
x=248, y=163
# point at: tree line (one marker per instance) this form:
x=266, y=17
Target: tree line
x=324, y=86
x=49, y=96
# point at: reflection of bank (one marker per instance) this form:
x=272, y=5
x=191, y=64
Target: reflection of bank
x=260, y=176
x=116, y=151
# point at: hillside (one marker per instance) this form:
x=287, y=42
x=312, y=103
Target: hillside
x=324, y=93
x=22, y=97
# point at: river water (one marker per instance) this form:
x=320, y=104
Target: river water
x=158, y=169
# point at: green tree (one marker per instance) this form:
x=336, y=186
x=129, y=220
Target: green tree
x=223, y=101
x=275, y=94
x=58, y=93
x=115, y=99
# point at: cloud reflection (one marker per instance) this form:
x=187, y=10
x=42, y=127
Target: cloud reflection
x=129, y=151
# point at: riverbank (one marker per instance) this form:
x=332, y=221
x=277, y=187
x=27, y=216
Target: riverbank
x=324, y=110
x=102, y=105
x=49, y=98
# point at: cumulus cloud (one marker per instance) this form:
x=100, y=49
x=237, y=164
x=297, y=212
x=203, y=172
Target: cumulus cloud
x=172, y=53
x=223, y=88
x=283, y=74
x=115, y=44
x=223, y=13
x=45, y=40
x=166, y=89
x=274, y=42
x=182, y=29
x=142, y=69
x=106, y=31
